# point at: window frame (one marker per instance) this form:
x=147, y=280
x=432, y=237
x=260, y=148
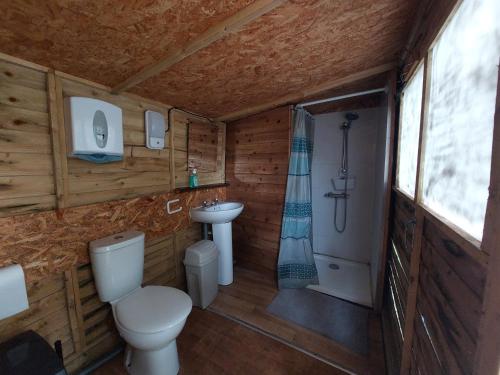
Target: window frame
x=411, y=74
x=472, y=245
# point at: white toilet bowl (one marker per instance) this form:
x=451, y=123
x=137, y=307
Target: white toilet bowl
x=149, y=320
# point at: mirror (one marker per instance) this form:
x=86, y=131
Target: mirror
x=202, y=146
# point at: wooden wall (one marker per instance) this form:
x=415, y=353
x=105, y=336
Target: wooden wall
x=448, y=305
x=35, y=172
x=142, y=171
x=398, y=273
x=257, y=165
x=26, y=166
x=434, y=293
x=51, y=206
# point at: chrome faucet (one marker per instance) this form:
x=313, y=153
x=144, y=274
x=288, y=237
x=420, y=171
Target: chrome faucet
x=210, y=204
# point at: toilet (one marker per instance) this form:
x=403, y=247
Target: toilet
x=148, y=318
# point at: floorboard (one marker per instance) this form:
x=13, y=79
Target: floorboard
x=211, y=344
x=246, y=300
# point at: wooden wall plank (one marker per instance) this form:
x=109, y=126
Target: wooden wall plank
x=24, y=142
x=15, y=74
x=20, y=119
x=19, y=96
x=26, y=163
x=23, y=186
x=257, y=166
x=23, y=164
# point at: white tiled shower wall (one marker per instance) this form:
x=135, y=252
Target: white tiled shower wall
x=367, y=143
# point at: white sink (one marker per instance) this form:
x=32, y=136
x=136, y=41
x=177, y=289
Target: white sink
x=218, y=214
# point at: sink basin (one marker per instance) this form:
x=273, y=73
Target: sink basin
x=218, y=214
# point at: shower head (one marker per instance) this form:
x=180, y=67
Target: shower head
x=350, y=116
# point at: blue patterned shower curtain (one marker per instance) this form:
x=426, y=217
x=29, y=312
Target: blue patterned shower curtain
x=296, y=267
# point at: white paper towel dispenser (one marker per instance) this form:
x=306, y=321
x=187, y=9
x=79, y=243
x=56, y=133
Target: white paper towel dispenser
x=94, y=129
x=13, y=296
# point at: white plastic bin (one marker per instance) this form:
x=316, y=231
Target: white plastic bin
x=202, y=272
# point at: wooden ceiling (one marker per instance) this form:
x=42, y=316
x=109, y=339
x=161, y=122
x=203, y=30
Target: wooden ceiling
x=295, y=45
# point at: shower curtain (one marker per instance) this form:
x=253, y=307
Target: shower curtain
x=296, y=267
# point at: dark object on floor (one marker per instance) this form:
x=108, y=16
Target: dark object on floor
x=341, y=321
x=29, y=354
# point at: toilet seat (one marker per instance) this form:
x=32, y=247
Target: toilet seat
x=153, y=309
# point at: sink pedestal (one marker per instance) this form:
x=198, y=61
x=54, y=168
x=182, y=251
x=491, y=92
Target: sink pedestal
x=224, y=241
x=220, y=215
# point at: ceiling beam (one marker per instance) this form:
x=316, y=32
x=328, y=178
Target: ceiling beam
x=214, y=33
x=309, y=92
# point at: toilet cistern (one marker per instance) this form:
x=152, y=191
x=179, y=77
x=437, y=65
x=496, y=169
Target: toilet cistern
x=220, y=215
x=148, y=318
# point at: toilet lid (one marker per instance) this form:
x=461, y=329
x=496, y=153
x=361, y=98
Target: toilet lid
x=153, y=309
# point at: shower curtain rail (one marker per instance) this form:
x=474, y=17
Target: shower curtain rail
x=335, y=98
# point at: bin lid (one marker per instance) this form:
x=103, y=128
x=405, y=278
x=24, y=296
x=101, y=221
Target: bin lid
x=200, y=253
x=29, y=354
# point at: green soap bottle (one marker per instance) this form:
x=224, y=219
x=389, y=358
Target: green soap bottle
x=193, y=178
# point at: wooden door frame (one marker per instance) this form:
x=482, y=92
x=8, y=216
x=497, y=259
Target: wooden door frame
x=487, y=356
x=389, y=171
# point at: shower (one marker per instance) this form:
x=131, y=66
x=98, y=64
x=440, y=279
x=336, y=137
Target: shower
x=344, y=172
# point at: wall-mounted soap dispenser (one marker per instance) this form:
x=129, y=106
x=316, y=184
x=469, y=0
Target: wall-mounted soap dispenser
x=155, y=130
x=94, y=129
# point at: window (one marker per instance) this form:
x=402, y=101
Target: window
x=409, y=127
x=459, y=129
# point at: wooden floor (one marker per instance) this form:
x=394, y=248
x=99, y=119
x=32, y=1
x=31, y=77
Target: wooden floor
x=247, y=298
x=211, y=344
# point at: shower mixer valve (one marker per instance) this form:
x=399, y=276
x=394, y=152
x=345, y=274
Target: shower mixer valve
x=336, y=195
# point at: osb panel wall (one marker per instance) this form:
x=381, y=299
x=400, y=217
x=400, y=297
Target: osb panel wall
x=180, y=124
x=449, y=302
x=26, y=169
x=65, y=306
x=49, y=242
x=257, y=167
